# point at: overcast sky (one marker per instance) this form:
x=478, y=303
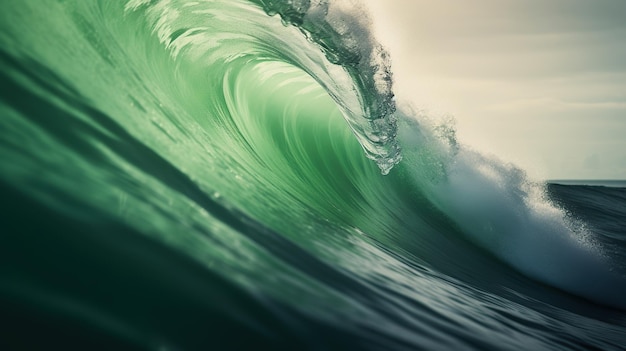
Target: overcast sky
x=540, y=83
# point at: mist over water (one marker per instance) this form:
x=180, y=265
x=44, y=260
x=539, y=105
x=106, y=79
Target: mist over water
x=229, y=174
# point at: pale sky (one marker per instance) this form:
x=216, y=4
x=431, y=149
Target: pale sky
x=539, y=83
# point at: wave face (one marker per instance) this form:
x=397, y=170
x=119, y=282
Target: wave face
x=228, y=174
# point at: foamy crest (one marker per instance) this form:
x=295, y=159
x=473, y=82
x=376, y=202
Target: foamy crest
x=500, y=209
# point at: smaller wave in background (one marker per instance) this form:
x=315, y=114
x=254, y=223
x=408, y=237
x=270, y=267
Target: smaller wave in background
x=591, y=182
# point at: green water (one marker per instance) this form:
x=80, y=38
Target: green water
x=179, y=141
x=189, y=175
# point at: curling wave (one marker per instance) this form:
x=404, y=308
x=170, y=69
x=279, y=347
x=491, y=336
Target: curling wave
x=217, y=156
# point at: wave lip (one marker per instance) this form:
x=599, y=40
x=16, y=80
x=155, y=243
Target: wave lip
x=344, y=37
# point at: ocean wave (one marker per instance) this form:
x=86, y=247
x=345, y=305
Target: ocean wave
x=235, y=139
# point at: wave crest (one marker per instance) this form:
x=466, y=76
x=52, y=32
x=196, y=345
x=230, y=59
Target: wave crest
x=344, y=36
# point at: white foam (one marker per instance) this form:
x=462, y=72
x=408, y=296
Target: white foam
x=500, y=209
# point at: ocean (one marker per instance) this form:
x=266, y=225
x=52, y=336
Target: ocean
x=236, y=174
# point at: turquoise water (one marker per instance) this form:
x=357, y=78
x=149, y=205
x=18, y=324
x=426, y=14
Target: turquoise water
x=235, y=174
